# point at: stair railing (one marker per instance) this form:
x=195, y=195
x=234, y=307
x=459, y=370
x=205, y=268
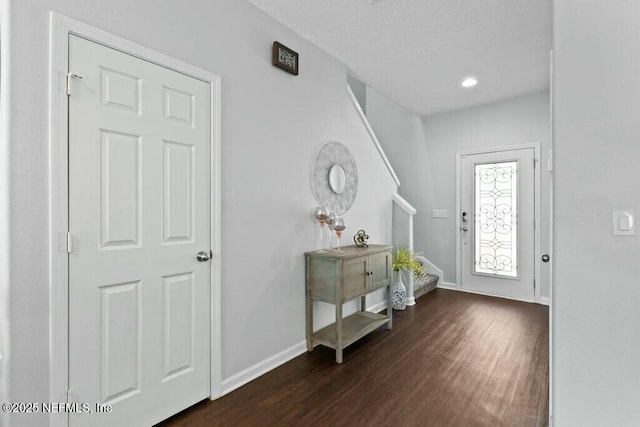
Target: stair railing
x=410, y=211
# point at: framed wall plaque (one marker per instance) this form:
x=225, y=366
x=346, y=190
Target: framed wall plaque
x=284, y=58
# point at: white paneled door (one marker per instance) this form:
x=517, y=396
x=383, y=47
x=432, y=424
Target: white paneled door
x=139, y=214
x=497, y=228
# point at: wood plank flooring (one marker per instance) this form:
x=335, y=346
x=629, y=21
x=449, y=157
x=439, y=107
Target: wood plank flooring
x=454, y=359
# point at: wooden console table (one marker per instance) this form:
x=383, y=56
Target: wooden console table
x=340, y=277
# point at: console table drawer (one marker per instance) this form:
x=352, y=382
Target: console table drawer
x=380, y=269
x=355, y=278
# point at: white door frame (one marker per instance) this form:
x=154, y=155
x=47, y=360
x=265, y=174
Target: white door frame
x=61, y=27
x=536, y=238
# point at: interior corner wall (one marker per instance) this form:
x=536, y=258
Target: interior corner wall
x=596, y=113
x=359, y=90
x=517, y=121
x=273, y=125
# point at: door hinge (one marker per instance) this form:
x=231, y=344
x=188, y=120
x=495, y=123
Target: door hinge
x=534, y=223
x=535, y=162
x=534, y=284
x=69, y=243
x=70, y=77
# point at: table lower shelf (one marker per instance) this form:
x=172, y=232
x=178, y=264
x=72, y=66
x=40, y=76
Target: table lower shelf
x=354, y=327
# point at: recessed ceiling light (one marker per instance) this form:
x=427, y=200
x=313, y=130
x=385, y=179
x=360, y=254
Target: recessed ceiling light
x=469, y=82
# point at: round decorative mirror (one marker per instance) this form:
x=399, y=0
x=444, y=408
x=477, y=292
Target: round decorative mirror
x=335, y=178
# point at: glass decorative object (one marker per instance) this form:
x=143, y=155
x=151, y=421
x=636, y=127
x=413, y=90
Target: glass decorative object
x=321, y=213
x=339, y=224
x=330, y=219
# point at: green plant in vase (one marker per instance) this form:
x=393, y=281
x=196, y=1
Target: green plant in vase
x=406, y=259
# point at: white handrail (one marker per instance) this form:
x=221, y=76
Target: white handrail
x=372, y=134
x=406, y=206
x=409, y=210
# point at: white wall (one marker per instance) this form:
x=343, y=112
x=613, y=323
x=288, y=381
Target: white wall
x=512, y=122
x=4, y=206
x=423, y=154
x=401, y=135
x=273, y=124
x=596, y=292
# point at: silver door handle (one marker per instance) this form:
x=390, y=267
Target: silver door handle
x=203, y=256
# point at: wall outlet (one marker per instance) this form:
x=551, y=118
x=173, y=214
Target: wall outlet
x=439, y=213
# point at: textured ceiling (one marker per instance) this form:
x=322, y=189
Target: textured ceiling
x=416, y=52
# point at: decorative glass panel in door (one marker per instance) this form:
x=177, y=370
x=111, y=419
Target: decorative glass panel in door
x=496, y=219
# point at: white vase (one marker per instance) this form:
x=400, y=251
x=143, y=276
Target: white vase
x=398, y=292
x=407, y=278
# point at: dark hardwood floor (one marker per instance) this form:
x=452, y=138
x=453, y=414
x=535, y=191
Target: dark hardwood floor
x=454, y=359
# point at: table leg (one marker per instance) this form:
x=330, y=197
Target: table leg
x=309, y=324
x=389, y=308
x=339, y=333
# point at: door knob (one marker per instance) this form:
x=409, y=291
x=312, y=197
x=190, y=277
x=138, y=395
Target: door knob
x=203, y=256
x=545, y=257
x=465, y=228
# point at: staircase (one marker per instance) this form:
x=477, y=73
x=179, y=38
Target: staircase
x=430, y=281
x=403, y=234
x=419, y=287
x=424, y=285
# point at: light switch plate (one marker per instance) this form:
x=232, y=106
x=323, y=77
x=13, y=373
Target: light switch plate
x=439, y=213
x=624, y=223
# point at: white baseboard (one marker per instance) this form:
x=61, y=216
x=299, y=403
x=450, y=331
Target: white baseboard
x=469, y=291
x=243, y=377
x=252, y=372
x=377, y=308
x=447, y=285
x=454, y=287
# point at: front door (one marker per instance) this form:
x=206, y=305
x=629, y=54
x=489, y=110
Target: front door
x=139, y=213
x=497, y=223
